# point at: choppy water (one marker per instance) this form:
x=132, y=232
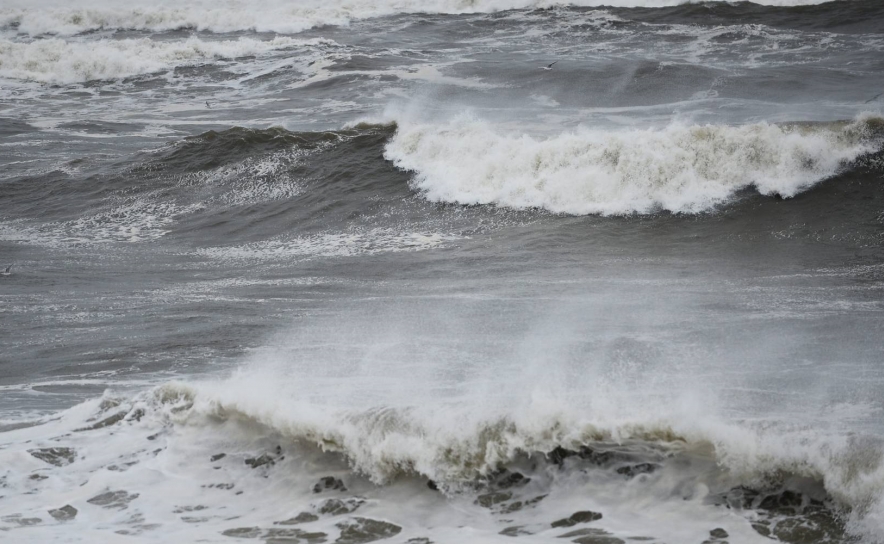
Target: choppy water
x=354, y=271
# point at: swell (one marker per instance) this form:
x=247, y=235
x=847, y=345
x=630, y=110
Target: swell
x=860, y=16
x=281, y=16
x=215, y=169
x=215, y=148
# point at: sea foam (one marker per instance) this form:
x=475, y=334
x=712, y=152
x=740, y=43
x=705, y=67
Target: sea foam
x=59, y=61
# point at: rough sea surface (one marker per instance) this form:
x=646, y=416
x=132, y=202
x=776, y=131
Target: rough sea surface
x=348, y=271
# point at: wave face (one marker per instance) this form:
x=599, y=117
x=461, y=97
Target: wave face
x=683, y=169
x=49, y=17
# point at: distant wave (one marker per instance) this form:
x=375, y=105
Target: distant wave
x=61, y=62
x=681, y=168
x=68, y=18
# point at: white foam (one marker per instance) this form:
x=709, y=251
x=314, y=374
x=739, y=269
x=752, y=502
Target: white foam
x=129, y=221
x=58, y=17
x=544, y=100
x=332, y=244
x=429, y=73
x=58, y=61
x=255, y=179
x=681, y=168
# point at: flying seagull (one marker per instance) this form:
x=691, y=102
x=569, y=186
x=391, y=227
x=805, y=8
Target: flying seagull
x=873, y=98
x=7, y=272
x=549, y=66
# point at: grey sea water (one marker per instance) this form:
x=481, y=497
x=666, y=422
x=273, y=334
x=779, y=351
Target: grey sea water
x=356, y=271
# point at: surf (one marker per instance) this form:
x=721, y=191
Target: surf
x=539, y=475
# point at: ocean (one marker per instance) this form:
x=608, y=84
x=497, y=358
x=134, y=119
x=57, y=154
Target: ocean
x=448, y=271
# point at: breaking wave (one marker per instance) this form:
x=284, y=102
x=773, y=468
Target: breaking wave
x=700, y=459
x=680, y=168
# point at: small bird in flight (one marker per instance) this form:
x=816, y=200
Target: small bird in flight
x=7, y=271
x=207, y=105
x=549, y=66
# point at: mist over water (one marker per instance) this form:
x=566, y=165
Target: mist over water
x=365, y=271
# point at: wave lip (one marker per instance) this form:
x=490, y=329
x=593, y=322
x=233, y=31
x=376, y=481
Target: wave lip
x=681, y=168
